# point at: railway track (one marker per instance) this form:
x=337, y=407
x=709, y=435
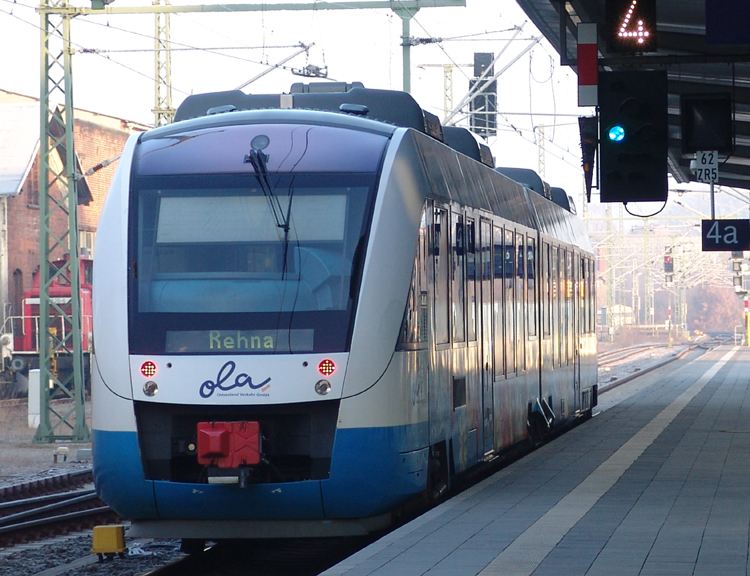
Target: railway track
x=26, y=516
x=612, y=356
x=47, y=485
x=629, y=373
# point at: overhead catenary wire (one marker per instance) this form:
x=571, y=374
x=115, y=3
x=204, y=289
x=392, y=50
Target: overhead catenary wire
x=480, y=81
x=80, y=49
x=33, y=25
x=195, y=48
x=185, y=47
x=272, y=67
x=516, y=130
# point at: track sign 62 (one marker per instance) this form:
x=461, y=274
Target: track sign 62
x=725, y=235
x=707, y=166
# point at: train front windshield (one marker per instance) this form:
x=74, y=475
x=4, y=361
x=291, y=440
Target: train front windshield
x=249, y=239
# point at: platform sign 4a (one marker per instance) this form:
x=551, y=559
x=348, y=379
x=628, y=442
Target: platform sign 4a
x=725, y=235
x=707, y=166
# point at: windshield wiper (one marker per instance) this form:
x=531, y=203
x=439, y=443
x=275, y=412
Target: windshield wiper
x=259, y=159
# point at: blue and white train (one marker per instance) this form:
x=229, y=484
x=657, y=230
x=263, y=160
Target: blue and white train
x=313, y=308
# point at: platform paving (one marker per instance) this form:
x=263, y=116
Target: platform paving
x=657, y=484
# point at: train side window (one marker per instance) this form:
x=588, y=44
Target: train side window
x=459, y=392
x=571, y=295
x=414, y=325
x=557, y=304
x=440, y=267
x=498, y=305
x=567, y=265
x=547, y=304
x=563, y=309
x=592, y=296
x=521, y=301
x=88, y=273
x=583, y=292
x=458, y=278
x=589, y=296
x=509, y=251
x=471, y=276
x=531, y=284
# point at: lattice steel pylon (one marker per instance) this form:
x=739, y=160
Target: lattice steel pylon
x=163, y=110
x=447, y=84
x=541, y=152
x=59, y=320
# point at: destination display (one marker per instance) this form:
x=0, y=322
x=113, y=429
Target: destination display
x=239, y=341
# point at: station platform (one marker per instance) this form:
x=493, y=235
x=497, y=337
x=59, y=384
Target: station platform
x=656, y=483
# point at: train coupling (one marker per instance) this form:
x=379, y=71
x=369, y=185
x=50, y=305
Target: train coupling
x=239, y=476
x=229, y=450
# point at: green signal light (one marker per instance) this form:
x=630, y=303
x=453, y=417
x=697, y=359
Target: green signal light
x=616, y=134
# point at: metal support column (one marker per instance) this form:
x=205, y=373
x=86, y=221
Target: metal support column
x=610, y=271
x=680, y=276
x=406, y=16
x=648, y=281
x=541, y=153
x=447, y=89
x=59, y=320
x=163, y=110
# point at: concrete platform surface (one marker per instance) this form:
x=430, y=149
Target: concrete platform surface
x=655, y=484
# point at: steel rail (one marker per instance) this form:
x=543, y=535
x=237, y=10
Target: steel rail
x=50, y=520
x=64, y=501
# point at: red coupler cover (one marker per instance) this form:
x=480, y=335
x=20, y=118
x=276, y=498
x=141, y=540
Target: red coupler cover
x=229, y=444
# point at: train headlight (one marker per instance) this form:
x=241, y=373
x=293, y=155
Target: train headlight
x=322, y=387
x=150, y=388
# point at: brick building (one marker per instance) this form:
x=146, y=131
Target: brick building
x=98, y=138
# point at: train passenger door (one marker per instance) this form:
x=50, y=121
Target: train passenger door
x=486, y=341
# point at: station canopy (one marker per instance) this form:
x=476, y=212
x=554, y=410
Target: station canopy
x=704, y=45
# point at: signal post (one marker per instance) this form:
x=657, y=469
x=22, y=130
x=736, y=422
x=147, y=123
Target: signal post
x=633, y=128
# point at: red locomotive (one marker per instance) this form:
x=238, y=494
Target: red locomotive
x=20, y=339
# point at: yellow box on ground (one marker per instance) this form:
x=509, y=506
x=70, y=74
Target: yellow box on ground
x=109, y=539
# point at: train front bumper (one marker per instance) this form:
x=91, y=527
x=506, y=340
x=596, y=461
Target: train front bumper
x=369, y=478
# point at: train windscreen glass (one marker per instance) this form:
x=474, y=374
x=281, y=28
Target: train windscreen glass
x=237, y=263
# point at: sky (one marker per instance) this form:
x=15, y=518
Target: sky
x=113, y=67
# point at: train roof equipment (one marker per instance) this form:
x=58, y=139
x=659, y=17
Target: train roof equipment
x=527, y=178
x=561, y=198
x=389, y=106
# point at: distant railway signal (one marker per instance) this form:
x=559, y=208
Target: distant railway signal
x=668, y=264
x=483, y=107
